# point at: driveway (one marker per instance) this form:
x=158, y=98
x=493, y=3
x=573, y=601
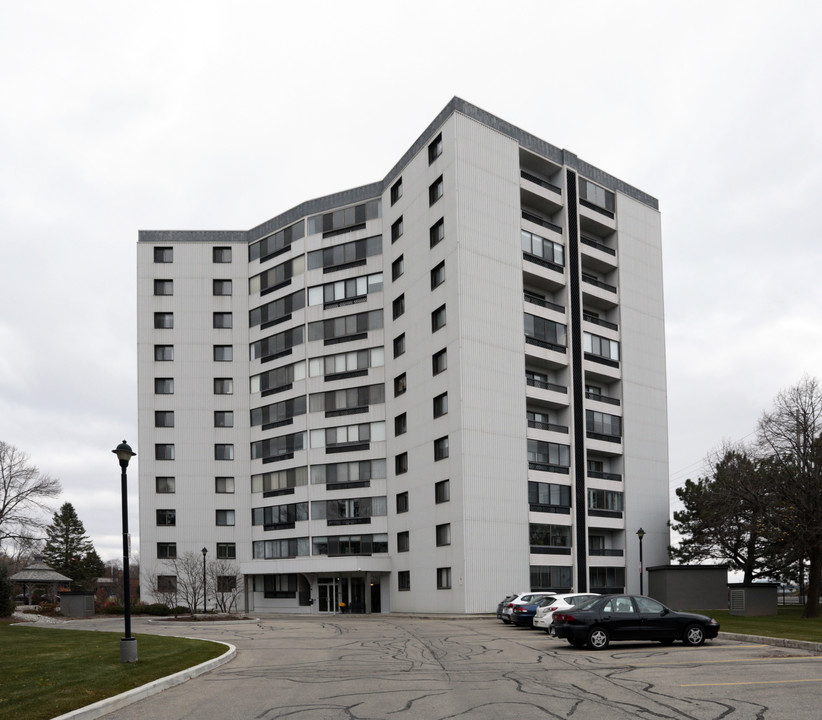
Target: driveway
x=389, y=666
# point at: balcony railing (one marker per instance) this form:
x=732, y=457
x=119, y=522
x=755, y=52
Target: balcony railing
x=537, y=425
x=562, y=509
x=544, y=467
x=606, y=438
x=593, y=206
x=602, y=398
x=541, y=221
x=593, y=281
x=545, y=344
x=539, y=181
x=606, y=552
x=542, y=261
x=543, y=385
x=598, y=245
x=598, y=321
x=536, y=300
x=604, y=475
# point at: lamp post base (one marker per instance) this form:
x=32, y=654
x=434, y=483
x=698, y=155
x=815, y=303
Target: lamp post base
x=128, y=649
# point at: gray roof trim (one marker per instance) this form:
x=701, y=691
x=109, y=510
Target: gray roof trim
x=373, y=190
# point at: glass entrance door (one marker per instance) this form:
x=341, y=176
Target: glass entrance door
x=328, y=593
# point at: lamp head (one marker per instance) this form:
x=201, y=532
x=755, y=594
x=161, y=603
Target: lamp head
x=640, y=533
x=124, y=453
x=205, y=552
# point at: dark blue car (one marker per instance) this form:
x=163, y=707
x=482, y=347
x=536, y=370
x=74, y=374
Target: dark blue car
x=524, y=614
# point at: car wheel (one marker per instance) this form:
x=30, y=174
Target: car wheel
x=694, y=635
x=598, y=638
x=505, y=620
x=576, y=643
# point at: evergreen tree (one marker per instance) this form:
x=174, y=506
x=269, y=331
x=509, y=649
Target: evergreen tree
x=69, y=551
x=6, y=602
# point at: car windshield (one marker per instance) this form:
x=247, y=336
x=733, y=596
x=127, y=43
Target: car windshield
x=547, y=601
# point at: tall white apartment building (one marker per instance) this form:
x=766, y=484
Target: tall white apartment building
x=417, y=395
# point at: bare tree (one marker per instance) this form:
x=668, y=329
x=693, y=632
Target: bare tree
x=225, y=584
x=24, y=492
x=188, y=569
x=791, y=436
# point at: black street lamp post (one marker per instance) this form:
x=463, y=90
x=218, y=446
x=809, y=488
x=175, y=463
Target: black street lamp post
x=640, y=534
x=205, y=552
x=128, y=644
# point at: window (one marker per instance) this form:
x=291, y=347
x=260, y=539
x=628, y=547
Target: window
x=400, y=424
x=357, y=361
x=543, y=249
x=163, y=320
x=439, y=361
x=163, y=386
x=345, y=219
x=404, y=580
x=438, y=318
x=293, y=477
x=607, y=579
x=402, y=502
x=340, y=329
x=166, y=583
x=399, y=385
x=547, y=577
x=600, y=346
x=435, y=149
x=545, y=333
x=345, y=254
x=269, y=549
x=166, y=550
x=275, y=516
x=166, y=517
x=398, y=307
x=333, y=294
x=223, y=353
x=163, y=418
x=163, y=254
x=226, y=551
x=226, y=583
x=163, y=287
x=396, y=191
x=548, y=495
x=437, y=232
x=442, y=491
x=603, y=426
x=444, y=578
x=399, y=345
x=401, y=465
x=443, y=534
x=396, y=229
x=605, y=500
x=224, y=485
x=403, y=541
x=441, y=405
x=222, y=287
x=280, y=344
x=223, y=418
x=225, y=517
x=163, y=353
x=222, y=320
x=164, y=485
x=596, y=195
x=221, y=254
x=223, y=386
x=164, y=451
x=397, y=267
x=438, y=275
x=435, y=191
x=223, y=451
x=441, y=448
x=552, y=454
x=550, y=536
x=276, y=243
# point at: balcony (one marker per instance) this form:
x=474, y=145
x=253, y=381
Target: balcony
x=541, y=221
x=596, y=320
x=539, y=193
x=542, y=302
x=601, y=398
x=550, y=427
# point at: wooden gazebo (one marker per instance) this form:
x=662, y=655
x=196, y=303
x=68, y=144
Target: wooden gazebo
x=40, y=574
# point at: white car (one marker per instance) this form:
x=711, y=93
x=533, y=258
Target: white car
x=522, y=599
x=545, y=613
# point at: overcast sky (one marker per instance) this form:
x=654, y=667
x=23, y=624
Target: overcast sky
x=117, y=116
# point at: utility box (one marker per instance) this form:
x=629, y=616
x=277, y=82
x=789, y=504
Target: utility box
x=76, y=604
x=755, y=599
x=689, y=587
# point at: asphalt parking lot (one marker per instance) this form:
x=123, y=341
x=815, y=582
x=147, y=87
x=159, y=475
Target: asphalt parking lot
x=388, y=666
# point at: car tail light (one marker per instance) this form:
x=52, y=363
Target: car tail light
x=552, y=608
x=519, y=609
x=563, y=617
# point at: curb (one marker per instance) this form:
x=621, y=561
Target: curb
x=777, y=642
x=103, y=707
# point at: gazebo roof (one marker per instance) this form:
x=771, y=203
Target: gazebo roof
x=39, y=572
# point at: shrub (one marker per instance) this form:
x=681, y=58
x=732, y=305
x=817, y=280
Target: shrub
x=6, y=603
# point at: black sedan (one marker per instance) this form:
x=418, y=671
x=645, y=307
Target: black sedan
x=630, y=617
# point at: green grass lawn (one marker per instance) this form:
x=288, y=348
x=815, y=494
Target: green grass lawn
x=46, y=672
x=787, y=624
